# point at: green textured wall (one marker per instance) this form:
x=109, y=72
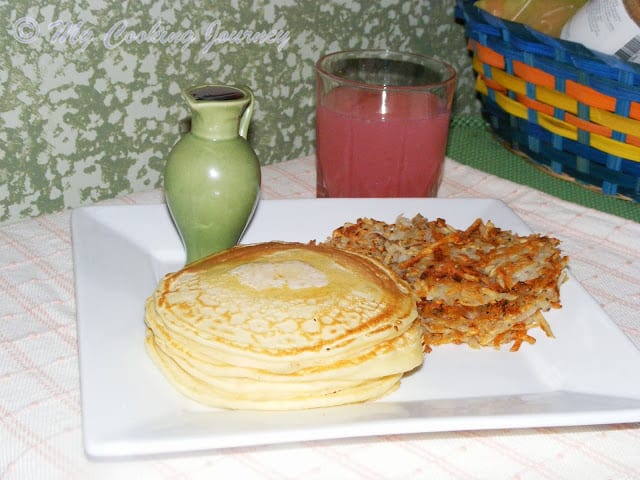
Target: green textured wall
x=90, y=90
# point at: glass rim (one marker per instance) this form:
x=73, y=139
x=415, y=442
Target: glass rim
x=383, y=54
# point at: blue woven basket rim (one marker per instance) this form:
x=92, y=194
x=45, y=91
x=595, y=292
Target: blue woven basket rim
x=480, y=25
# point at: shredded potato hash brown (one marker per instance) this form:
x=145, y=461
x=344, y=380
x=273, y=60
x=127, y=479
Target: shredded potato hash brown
x=482, y=286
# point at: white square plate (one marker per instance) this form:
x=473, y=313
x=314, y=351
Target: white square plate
x=586, y=375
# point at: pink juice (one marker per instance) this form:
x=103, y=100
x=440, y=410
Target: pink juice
x=380, y=144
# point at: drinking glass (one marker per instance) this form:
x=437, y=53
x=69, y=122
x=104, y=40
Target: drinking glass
x=382, y=121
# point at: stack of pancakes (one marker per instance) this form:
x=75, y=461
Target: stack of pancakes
x=278, y=326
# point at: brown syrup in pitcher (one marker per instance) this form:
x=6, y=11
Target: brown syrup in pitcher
x=217, y=93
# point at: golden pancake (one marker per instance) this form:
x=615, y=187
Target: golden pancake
x=283, y=325
x=389, y=357
x=204, y=393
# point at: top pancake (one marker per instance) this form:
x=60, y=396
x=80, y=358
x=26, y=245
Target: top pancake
x=282, y=307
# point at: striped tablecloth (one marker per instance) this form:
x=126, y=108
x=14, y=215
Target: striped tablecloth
x=40, y=413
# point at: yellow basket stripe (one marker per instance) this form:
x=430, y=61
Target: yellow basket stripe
x=566, y=130
x=558, y=100
x=559, y=127
x=614, y=147
x=543, y=94
x=512, y=83
x=481, y=86
x=477, y=64
x=511, y=106
x=615, y=122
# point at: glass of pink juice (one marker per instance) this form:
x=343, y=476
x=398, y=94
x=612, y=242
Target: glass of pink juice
x=382, y=120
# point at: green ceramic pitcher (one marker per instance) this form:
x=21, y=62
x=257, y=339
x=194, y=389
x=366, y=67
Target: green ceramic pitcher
x=212, y=175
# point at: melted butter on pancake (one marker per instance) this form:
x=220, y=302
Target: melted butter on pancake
x=292, y=274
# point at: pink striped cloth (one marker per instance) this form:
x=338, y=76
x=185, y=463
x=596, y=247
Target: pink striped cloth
x=40, y=413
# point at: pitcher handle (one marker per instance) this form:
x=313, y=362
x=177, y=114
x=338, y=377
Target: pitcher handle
x=245, y=119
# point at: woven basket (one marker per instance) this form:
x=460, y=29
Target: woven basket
x=572, y=111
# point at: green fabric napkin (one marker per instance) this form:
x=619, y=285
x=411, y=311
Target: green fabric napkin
x=472, y=143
